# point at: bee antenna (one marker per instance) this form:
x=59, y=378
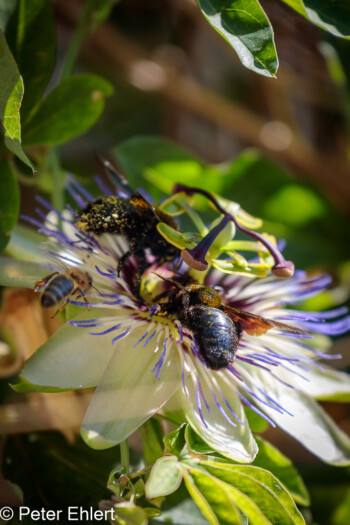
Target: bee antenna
x=171, y=281
x=115, y=177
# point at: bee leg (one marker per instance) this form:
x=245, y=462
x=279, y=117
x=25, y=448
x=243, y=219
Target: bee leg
x=63, y=305
x=85, y=300
x=40, y=284
x=81, y=294
x=123, y=260
x=185, y=299
x=142, y=265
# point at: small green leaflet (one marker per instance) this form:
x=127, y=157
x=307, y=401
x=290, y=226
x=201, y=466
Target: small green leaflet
x=332, y=15
x=68, y=110
x=245, y=26
x=11, y=94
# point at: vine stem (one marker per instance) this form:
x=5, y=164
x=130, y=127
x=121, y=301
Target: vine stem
x=76, y=43
x=125, y=459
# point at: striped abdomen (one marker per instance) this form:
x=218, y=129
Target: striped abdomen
x=57, y=291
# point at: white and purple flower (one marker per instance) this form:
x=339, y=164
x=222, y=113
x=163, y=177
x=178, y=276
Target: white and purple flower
x=142, y=362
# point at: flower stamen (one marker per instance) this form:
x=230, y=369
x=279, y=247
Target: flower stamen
x=282, y=268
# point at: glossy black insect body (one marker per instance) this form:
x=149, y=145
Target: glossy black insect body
x=216, y=327
x=215, y=334
x=136, y=219
x=61, y=286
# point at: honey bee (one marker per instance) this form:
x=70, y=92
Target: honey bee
x=135, y=218
x=216, y=328
x=61, y=286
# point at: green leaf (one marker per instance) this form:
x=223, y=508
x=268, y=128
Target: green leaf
x=331, y=15
x=69, y=110
x=270, y=458
x=175, y=441
x=217, y=495
x=9, y=202
x=7, y=8
x=152, y=440
x=19, y=273
x=11, y=94
x=165, y=477
x=35, y=50
x=179, y=509
x=199, y=499
x=245, y=26
x=262, y=488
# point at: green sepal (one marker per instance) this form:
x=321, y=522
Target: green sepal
x=175, y=441
x=195, y=444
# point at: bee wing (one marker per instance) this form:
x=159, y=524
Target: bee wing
x=255, y=325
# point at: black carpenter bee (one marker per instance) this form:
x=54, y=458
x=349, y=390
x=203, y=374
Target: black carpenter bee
x=216, y=328
x=61, y=286
x=135, y=218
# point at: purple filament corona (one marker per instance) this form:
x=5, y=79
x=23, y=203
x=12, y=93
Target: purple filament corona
x=254, y=355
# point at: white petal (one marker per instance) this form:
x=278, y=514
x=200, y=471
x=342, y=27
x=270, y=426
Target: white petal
x=234, y=442
x=129, y=392
x=328, y=385
x=309, y=423
x=19, y=273
x=72, y=358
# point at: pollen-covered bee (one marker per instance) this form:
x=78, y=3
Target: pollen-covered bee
x=135, y=218
x=216, y=328
x=61, y=286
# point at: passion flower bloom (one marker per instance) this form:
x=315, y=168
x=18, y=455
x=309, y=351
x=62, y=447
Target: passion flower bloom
x=142, y=362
